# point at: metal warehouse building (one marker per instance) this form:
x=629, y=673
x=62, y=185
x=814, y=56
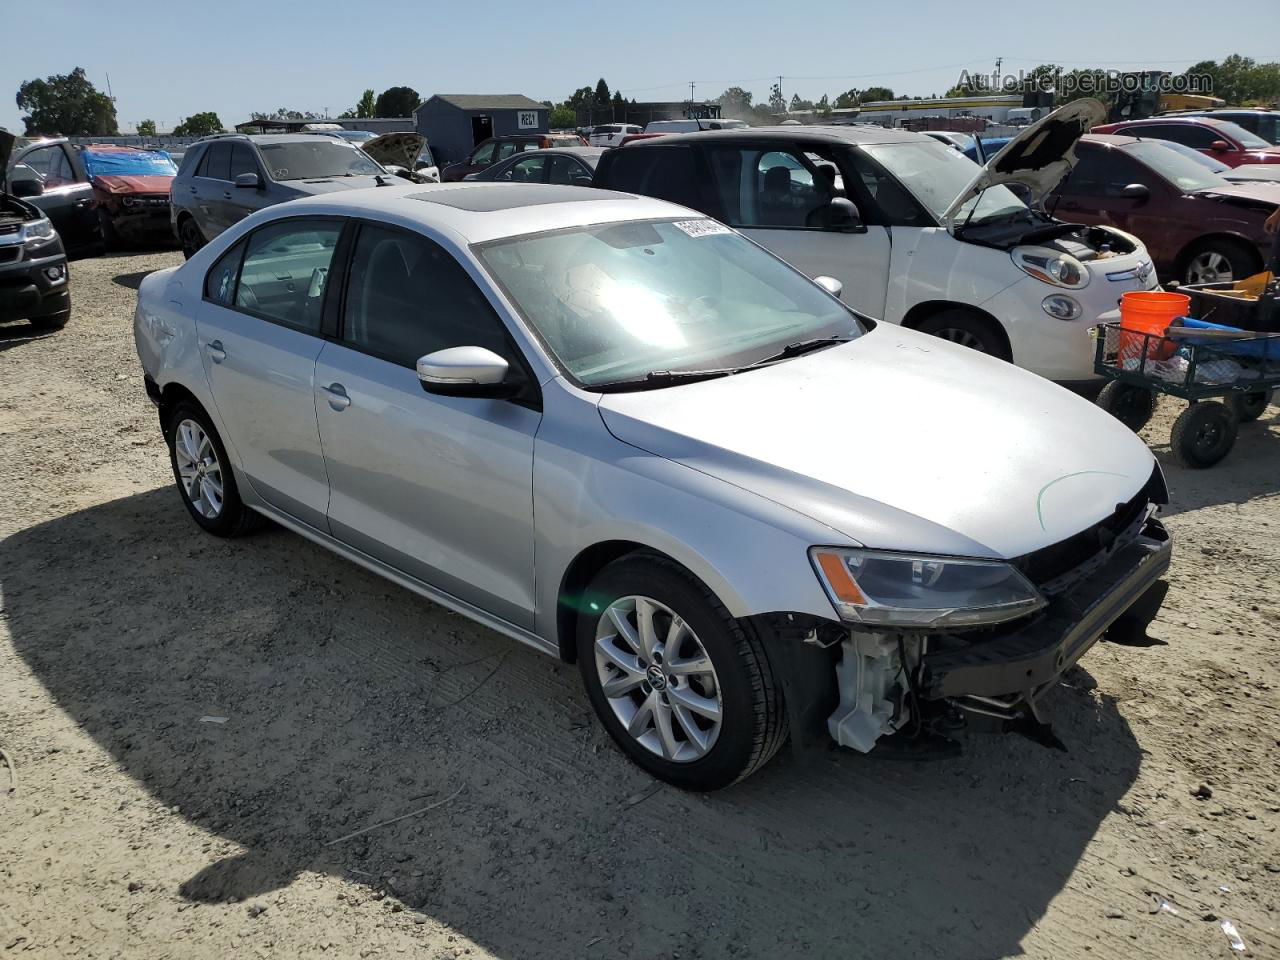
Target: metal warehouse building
x=453, y=123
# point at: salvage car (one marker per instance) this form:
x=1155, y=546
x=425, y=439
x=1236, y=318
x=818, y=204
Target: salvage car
x=1198, y=226
x=34, y=281
x=101, y=194
x=496, y=149
x=914, y=231
x=1220, y=139
x=227, y=176
x=575, y=166
x=589, y=420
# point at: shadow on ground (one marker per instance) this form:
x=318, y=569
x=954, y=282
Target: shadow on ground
x=20, y=333
x=350, y=702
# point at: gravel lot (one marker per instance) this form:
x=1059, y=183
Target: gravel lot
x=141, y=829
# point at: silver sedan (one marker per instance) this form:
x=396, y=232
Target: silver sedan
x=625, y=435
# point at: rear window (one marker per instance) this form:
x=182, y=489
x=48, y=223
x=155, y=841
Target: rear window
x=608, y=128
x=663, y=172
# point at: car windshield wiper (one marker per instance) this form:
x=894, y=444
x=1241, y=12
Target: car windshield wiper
x=656, y=379
x=798, y=348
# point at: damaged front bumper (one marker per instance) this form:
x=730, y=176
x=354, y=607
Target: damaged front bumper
x=889, y=683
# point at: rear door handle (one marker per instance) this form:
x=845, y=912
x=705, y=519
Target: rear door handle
x=337, y=397
x=216, y=353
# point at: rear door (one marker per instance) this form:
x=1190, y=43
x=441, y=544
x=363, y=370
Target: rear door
x=212, y=188
x=259, y=332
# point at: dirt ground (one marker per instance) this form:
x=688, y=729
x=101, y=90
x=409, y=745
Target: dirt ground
x=141, y=828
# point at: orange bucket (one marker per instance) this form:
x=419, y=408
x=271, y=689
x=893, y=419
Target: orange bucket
x=1149, y=313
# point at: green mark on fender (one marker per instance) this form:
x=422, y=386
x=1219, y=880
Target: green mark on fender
x=1078, y=473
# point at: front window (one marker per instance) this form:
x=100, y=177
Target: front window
x=935, y=175
x=616, y=302
x=1267, y=126
x=1183, y=172
x=128, y=163
x=316, y=159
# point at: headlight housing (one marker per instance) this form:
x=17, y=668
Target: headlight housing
x=907, y=590
x=38, y=231
x=1051, y=266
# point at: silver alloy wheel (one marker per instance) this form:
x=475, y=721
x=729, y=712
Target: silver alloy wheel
x=658, y=678
x=1209, y=267
x=962, y=337
x=199, y=468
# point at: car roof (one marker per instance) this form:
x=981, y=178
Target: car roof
x=813, y=133
x=572, y=151
x=266, y=137
x=478, y=211
x=1146, y=121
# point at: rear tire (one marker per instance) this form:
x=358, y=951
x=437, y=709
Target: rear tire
x=1203, y=434
x=190, y=237
x=695, y=748
x=204, y=476
x=969, y=329
x=1132, y=406
x=1250, y=406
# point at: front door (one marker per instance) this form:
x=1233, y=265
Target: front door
x=440, y=488
x=67, y=200
x=779, y=196
x=260, y=336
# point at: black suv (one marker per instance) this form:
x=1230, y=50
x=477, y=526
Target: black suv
x=33, y=265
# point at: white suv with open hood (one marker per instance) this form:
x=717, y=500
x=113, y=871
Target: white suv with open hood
x=914, y=231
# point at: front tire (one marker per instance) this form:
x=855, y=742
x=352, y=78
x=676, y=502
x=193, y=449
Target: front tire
x=684, y=689
x=203, y=474
x=969, y=329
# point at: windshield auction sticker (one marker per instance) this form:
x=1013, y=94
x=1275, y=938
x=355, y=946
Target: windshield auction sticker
x=702, y=228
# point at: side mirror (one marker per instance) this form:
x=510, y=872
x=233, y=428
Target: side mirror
x=831, y=285
x=27, y=188
x=466, y=372
x=1135, y=191
x=843, y=215
x=1220, y=146
x=250, y=181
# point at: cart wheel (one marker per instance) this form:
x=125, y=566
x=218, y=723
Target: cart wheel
x=1131, y=405
x=1250, y=406
x=1203, y=434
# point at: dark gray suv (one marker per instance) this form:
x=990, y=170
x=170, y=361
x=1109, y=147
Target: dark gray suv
x=226, y=177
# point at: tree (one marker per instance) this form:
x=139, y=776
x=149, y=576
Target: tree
x=823, y=106
x=67, y=104
x=146, y=128
x=776, y=102
x=875, y=93
x=582, y=97
x=602, y=93
x=367, y=106
x=798, y=104
x=200, y=125
x=735, y=102
x=396, y=102
x=848, y=99
x=562, y=118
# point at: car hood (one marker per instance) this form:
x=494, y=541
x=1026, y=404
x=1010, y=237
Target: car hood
x=132, y=183
x=900, y=441
x=1244, y=194
x=1253, y=172
x=1039, y=157
x=395, y=149
x=335, y=184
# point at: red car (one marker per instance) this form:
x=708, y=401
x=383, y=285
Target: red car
x=1197, y=226
x=1223, y=140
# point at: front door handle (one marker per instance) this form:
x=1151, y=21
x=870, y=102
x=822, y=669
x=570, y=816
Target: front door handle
x=216, y=353
x=337, y=397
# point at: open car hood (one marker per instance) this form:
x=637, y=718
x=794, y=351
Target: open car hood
x=395, y=149
x=1038, y=158
x=7, y=140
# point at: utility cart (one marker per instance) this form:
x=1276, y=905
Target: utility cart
x=1226, y=376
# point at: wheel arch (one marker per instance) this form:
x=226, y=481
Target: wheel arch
x=915, y=317
x=171, y=394
x=1222, y=236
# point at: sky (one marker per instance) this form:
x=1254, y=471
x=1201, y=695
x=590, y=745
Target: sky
x=166, y=61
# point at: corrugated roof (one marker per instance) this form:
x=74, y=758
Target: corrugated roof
x=490, y=101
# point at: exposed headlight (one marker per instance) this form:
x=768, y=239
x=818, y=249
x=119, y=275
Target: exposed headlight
x=38, y=231
x=912, y=590
x=1051, y=266
x=1060, y=306
x=130, y=201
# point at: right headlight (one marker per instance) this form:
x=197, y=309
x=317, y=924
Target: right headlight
x=908, y=590
x=1051, y=266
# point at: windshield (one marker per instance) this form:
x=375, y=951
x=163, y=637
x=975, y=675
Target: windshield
x=1250, y=141
x=1217, y=166
x=935, y=174
x=1183, y=172
x=128, y=163
x=323, y=157
x=620, y=301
